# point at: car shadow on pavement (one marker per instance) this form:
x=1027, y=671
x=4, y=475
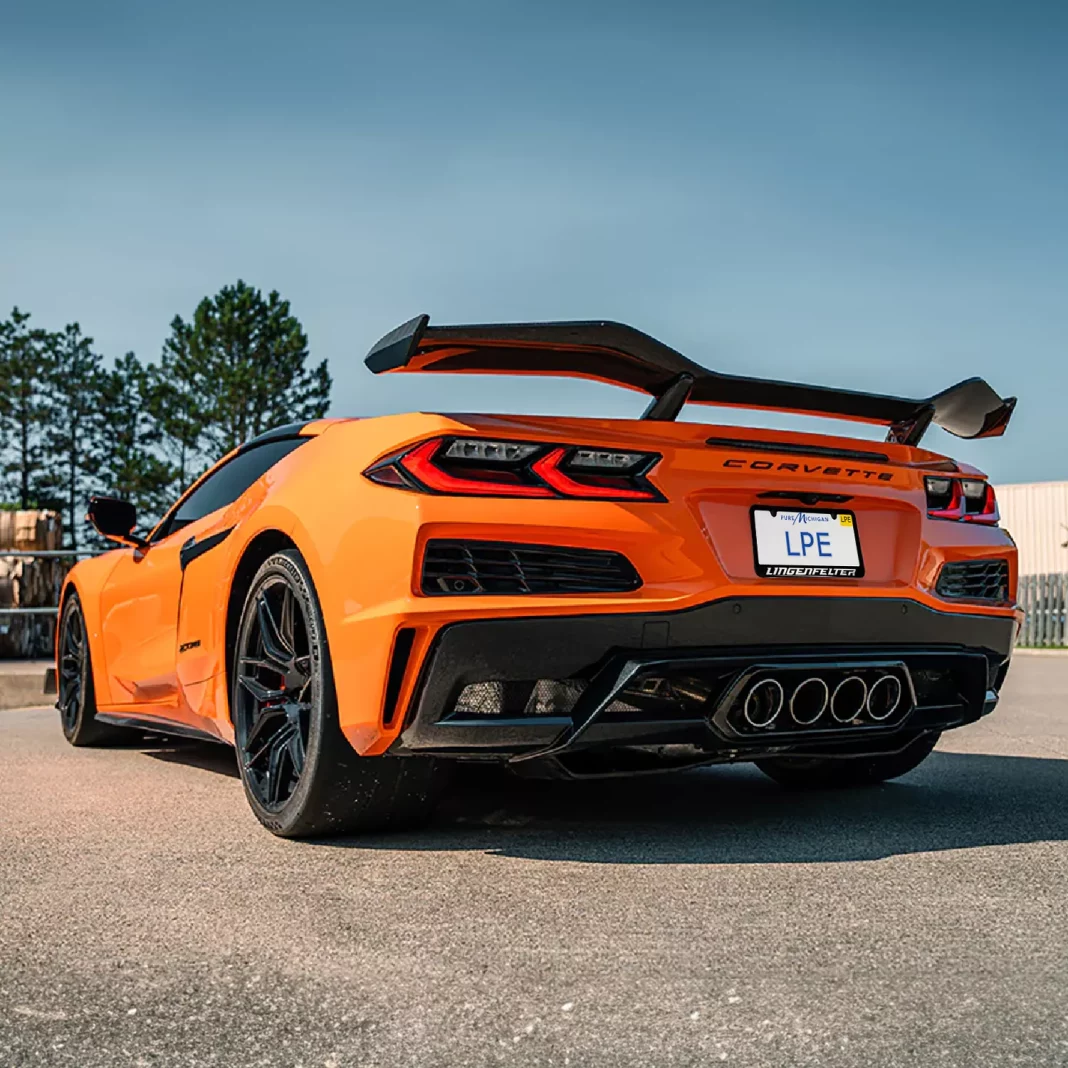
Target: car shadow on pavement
x=194, y=754
x=737, y=816
x=720, y=815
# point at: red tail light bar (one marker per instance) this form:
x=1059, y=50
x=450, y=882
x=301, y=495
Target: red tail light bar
x=970, y=500
x=476, y=467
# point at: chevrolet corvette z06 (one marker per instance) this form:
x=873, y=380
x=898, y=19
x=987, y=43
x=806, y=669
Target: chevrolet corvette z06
x=355, y=604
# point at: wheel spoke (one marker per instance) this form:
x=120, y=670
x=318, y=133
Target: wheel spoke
x=258, y=663
x=296, y=751
x=261, y=693
x=274, y=645
x=277, y=738
x=259, y=726
x=279, y=752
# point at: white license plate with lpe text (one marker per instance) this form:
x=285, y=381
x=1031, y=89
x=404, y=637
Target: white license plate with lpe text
x=794, y=543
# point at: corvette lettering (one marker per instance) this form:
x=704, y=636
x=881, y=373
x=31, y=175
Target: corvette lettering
x=811, y=469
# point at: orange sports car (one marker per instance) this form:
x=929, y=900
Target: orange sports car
x=356, y=603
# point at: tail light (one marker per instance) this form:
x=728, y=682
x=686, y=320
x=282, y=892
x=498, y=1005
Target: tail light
x=969, y=499
x=475, y=467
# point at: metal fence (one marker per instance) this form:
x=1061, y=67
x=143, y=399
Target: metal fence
x=28, y=618
x=41, y=554
x=1044, y=599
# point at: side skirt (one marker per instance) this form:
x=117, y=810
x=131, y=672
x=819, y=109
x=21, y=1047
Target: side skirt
x=156, y=725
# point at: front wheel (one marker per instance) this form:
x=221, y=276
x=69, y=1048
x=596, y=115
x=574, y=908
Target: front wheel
x=301, y=775
x=821, y=773
x=76, y=697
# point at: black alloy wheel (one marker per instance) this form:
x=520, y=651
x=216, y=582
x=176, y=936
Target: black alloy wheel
x=76, y=698
x=71, y=666
x=301, y=775
x=274, y=696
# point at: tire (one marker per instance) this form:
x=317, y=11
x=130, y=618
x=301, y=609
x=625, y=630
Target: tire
x=76, y=697
x=815, y=773
x=302, y=778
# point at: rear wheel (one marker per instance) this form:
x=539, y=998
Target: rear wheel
x=74, y=681
x=301, y=775
x=816, y=773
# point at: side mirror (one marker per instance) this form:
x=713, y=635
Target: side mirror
x=114, y=519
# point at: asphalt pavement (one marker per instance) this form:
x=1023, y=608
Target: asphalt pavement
x=146, y=919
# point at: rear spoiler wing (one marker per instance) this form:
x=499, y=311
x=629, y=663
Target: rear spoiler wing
x=620, y=355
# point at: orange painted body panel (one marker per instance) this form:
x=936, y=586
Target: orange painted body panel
x=363, y=544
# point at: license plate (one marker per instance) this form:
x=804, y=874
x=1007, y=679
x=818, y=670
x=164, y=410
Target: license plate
x=796, y=543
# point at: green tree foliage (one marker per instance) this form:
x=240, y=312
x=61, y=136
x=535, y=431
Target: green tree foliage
x=24, y=359
x=72, y=428
x=246, y=356
x=129, y=464
x=179, y=399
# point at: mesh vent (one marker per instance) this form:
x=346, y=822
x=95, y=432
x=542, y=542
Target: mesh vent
x=457, y=567
x=541, y=697
x=974, y=580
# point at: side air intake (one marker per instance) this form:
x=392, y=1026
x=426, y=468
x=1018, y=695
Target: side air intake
x=495, y=567
x=974, y=580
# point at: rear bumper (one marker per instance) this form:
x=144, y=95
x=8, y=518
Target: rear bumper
x=604, y=656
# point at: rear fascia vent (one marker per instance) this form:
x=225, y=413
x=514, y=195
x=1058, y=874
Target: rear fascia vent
x=505, y=568
x=974, y=580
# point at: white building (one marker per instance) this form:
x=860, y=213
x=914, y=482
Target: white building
x=1036, y=515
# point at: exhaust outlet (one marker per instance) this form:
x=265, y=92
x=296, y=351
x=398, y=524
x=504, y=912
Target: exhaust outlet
x=883, y=697
x=763, y=703
x=849, y=699
x=808, y=701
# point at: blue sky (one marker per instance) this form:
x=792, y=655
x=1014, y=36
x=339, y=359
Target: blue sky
x=865, y=194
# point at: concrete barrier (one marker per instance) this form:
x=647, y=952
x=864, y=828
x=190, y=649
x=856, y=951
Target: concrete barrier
x=27, y=683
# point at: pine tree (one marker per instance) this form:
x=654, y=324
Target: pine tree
x=247, y=360
x=70, y=427
x=25, y=357
x=128, y=463
x=176, y=400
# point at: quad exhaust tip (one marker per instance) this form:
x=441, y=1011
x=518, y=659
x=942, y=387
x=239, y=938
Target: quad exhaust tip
x=850, y=699
x=763, y=703
x=883, y=697
x=809, y=700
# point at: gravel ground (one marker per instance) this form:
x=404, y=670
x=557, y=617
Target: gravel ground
x=147, y=919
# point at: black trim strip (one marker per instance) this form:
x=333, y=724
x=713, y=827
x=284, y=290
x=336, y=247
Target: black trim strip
x=156, y=725
x=823, y=451
x=193, y=548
